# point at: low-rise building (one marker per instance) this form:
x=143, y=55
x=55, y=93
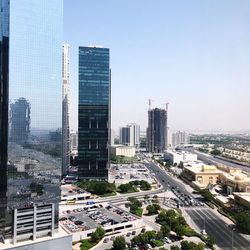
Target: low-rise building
x=176, y=157
x=121, y=150
x=201, y=176
x=235, y=180
x=242, y=199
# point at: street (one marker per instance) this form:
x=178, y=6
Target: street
x=214, y=225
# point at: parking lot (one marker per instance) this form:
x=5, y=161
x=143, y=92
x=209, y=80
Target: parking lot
x=124, y=173
x=90, y=217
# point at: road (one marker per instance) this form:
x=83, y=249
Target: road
x=209, y=159
x=214, y=225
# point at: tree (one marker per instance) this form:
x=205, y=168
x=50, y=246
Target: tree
x=189, y=245
x=243, y=222
x=206, y=194
x=124, y=188
x=153, y=209
x=119, y=243
x=174, y=248
x=98, y=234
x=145, y=185
x=165, y=229
x=180, y=230
x=211, y=241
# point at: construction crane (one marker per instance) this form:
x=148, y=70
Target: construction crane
x=166, y=104
x=150, y=103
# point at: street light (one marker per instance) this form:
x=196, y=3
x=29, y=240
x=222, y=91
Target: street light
x=233, y=229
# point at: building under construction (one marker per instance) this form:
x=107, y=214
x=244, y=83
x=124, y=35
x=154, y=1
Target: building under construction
x=19, y=120
x=157, y=130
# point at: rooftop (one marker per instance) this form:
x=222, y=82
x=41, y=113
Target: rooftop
x=245, y=196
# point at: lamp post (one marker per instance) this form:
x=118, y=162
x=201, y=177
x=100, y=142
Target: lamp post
x=232, y=238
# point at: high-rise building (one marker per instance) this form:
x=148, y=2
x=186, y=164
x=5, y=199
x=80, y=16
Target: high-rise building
x=94, y=113
x=130, y=135
x=19, y=120
x=157, y=130
x=73, y=142
x=65, y=110
x=179, y=138
x=31, y=108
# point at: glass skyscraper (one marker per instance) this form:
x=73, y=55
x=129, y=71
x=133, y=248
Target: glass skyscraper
x=94, y=113
x=65, y=110
x=157, y=130
x=31, y=116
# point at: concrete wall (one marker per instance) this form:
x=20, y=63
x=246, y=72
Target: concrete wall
x=62, y=243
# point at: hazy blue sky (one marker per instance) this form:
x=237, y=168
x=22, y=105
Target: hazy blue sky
x=193, y=53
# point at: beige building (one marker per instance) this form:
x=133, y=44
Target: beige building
x=202, y=176
x=235, y=180
x=121, y=150
x=242, y=199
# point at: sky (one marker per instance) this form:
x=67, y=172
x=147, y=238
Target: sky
x=194, y=54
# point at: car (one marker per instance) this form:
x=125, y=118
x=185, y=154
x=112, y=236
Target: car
x=148, y=246
x=112, y=238
x=203, y=232
x=143, y=230
x=128, y=234
x=167, y=240
x=106, y=240
x=134, y=233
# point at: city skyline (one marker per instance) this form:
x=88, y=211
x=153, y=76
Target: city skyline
x=206, y=41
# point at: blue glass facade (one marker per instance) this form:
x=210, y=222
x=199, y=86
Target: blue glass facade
x=94, y=113
x=34, y=107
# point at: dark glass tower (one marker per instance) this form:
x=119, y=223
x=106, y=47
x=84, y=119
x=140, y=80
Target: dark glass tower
x=157, y=130
x=4, y=72
x=30, y=112
x=94, y=113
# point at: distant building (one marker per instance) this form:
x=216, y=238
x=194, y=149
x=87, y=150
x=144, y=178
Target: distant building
x=179, y=138
x=130, y=135
x=176, y=157
x=65, y=110
x=94, y=113
x=157, y=130
x=112, y=137
x=19, y=120
x=121, y=150
x=73, y=142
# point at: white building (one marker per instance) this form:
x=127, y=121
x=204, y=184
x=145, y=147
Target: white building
x=179, y=138
x=121, y=150
x=65, y=110
x=74, y=143
x=176, y=157
x=130, y=135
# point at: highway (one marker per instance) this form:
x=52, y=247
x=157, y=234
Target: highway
x=209, y=159
x=214, y=225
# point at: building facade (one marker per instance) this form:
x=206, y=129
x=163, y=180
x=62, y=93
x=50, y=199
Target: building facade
x=19, y=120
x=65, y=110
x=121, y=150
x=94, y=113
x=157, y=130
x=179, y=138
x=130, y=135
x=31, y=108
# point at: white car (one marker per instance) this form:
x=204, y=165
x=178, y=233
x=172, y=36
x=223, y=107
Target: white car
x=167, y=240
x=203, y=232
